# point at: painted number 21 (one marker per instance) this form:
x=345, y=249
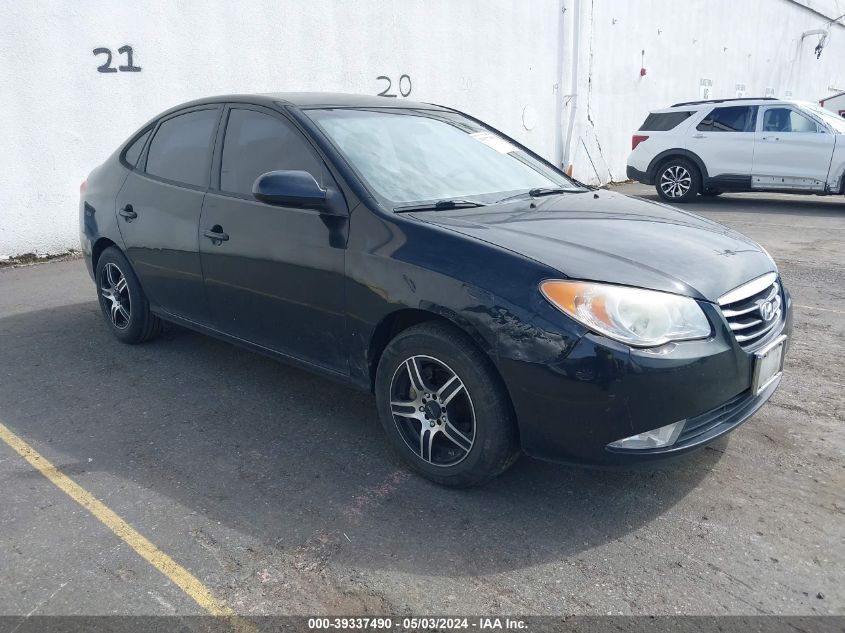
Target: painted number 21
x=106, y=66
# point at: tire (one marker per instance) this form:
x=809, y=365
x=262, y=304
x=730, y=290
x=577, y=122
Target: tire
x=677, y=180
x=711, y=193
x=122, y=300
x=477, y=439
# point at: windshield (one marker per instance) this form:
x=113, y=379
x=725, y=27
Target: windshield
x=834, y=121
x=416, y=156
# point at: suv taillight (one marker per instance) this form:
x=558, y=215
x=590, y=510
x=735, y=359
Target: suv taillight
x=83, y=186
x=636, y=139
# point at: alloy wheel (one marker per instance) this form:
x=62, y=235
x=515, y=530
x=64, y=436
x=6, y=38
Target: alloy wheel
x=675, y=181
x=113, y=288
x=432, y=410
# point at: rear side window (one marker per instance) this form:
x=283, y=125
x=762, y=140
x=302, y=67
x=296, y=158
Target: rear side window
x=179, y=150
x=664, y=121
x=729, y=119
x=133, y=152
x=787, y=120
x=256, y=143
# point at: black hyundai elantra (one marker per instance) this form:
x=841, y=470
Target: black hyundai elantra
x=493, y=305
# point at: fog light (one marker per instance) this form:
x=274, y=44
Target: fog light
x=656, y=438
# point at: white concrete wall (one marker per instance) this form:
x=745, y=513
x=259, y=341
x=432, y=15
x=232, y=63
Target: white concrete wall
x=755, y=43
x=491, y=58
x=62, y=117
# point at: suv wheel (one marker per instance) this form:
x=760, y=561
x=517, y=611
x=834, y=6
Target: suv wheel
x=678, y=180
x=443, y=407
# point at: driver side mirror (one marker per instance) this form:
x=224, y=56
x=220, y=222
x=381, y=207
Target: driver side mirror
x=289, y=188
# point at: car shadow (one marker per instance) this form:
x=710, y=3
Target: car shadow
x=294, y=461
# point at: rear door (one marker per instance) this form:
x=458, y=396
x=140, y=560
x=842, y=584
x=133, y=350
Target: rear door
x=724, y=140
x=159, y=209
x=277, y=280
x=793, y=151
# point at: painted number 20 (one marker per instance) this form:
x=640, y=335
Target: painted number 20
x=106, y=66
x=404, y=86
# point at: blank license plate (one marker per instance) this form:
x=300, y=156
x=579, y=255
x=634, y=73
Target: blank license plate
x=768, y=364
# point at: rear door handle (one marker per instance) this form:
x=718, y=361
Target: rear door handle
x=128, y=213
x=698, y=136
x=771, y=138
x=216, y=235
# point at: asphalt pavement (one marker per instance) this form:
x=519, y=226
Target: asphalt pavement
x=274, y=488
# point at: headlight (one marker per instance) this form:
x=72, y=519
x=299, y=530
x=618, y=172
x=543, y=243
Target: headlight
x=640, y=318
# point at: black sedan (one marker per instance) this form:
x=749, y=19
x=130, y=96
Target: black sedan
x=493, y=305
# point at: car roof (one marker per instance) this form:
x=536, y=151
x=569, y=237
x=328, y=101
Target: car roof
x=710, y=103
x=738, y=100
x=312, y=100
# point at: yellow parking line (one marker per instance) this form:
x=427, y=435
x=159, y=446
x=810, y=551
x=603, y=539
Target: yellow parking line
x=125, y=532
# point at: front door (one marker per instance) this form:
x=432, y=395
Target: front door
x=277, y=279
x=793, y=151
x=159, y=209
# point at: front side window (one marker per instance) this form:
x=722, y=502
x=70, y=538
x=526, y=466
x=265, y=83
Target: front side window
x=729, y=119
x=256, y=143
x=414, y=156
x=179, y=150
x=787, y=120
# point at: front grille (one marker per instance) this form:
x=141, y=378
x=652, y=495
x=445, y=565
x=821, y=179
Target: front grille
x=754, y=309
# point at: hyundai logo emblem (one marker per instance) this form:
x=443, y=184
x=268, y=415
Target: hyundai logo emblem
x=767, y=310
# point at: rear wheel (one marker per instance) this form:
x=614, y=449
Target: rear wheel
x=678, y=180
x=122, y=300
x=444, y=408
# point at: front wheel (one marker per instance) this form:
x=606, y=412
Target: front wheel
x=678, y=180
x=444, y=408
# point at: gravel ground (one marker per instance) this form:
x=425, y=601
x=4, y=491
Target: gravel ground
x=273, y=486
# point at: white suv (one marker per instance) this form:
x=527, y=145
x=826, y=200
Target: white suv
x=708, y=147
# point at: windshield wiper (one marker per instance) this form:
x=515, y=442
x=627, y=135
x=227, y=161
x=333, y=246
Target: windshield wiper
x=439, y=206
x=537, y=192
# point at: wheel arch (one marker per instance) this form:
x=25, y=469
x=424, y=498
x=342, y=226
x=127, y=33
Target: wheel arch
x=666, y=155
x=400, y=320
x=97, y=249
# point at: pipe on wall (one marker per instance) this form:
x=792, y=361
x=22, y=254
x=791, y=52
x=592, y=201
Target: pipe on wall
x=566, y=141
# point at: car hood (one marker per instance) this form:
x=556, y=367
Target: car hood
x=606, y=236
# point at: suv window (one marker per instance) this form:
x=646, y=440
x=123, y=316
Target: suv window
x=787, y=120
x=133, y=152
x=256, y=143
x=729, y=119
x=179, y=150
x=664, y=121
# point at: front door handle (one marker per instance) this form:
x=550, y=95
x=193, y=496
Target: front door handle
x=128, y=213
x=216, y=235
x=771, y=138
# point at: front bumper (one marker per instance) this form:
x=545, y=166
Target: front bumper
x=569, y=409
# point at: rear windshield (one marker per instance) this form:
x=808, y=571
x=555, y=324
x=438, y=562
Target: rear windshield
x=664, y=121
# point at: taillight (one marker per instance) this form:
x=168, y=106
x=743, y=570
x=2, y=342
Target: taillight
x=83, y=186
x=636, y=139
